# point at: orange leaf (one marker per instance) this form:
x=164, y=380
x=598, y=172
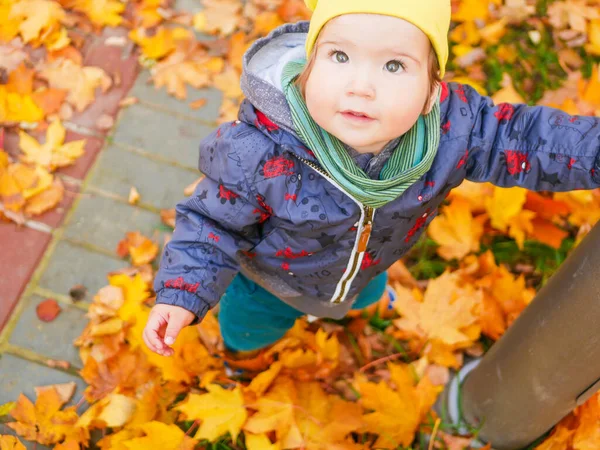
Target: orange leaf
x=491, y=318
x=548, y=233
x=44, y=422
x=46, y=199
x=21, y=80
x=49, y=100
x=197, y=104
x=545, y=207
x=48, y=310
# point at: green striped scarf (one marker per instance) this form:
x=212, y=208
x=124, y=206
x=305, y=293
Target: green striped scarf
x=409, y=161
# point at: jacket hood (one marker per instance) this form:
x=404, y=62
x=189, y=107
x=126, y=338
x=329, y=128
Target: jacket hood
x=263, y=65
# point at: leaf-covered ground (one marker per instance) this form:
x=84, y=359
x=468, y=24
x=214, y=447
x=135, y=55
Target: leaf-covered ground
x=366, y=382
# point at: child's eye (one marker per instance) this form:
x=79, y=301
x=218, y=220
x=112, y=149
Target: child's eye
x=338, y=56
x=394, y=66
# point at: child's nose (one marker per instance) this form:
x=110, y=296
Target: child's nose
x=361, y=85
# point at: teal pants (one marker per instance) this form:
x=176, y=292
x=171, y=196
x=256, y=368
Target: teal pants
x=251, y=317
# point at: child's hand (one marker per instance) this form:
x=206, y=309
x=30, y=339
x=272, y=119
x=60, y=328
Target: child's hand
x=164, y=324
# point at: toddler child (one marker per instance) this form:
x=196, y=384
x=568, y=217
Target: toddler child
x=346, y=144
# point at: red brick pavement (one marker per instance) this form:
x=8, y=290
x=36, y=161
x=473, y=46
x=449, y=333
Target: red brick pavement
x=22, y=248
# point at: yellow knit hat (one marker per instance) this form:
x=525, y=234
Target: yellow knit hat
x=431, y=16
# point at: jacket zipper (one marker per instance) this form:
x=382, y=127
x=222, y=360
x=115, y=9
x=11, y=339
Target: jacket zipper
x=365, y=227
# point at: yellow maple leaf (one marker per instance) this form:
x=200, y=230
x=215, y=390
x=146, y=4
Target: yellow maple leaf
x=10, y=25
x=590, y=91
x=520, y=226
x=100, y=12
x=405, y=379
x=220, y=411
x=465, y=33
x=474, y=193
x=493, y=32
x=275, y=412
x=54, y=152
x=44, y=422
x=594, y=36
x=146, y=11
x=329, y=347
x=446, y=311
x=504, y=204
x=261, y=382
x=190, y=357
x=325, y=420
x=507, y=94
x=37, y=18
x=258, y=442
x=10, y=443
x=116, y=440
x=117, y=411
x=80, y=82
x=160, y=435
x=457, y=232
x=19, y=183
x=15, y=107
x=162, y=43
x=114, y=410
x=135, y=291
x=471, y=10
x=218, y=17
x=293, y=359
x=176, y=71
x=394, y=415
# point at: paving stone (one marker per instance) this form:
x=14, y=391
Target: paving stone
x=161, y=134
x=52, y=339
x=71, y=264
x=20, y=251
x=14, y=382
x=159, y=184
x=103, y=222
x=147, y=93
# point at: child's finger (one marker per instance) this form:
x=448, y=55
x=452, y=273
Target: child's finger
x=173, y=328
x=155, y=323
x=147, y=341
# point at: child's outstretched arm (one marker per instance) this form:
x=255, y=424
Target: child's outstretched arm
x=219, y=220
x=535, y=147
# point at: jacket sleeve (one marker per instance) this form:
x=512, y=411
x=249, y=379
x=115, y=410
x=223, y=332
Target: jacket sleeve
x=219, y=220
x=534, y=147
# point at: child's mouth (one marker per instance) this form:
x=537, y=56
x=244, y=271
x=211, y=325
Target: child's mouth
x=355, y=116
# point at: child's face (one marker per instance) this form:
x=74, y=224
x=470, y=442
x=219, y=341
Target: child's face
x=371, y=64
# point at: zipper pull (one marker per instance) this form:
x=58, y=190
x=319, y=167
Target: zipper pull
x=364, y=238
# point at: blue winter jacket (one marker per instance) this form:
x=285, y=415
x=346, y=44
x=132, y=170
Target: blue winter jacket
x=266, y=208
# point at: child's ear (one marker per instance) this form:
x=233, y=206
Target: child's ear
x=435, y=92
